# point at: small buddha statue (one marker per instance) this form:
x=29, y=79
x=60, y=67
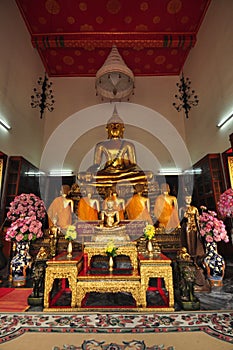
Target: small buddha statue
x=166, y=209
x=110, y=217
x=119, y=203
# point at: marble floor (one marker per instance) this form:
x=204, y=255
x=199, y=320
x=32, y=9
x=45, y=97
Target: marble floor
x=219, y=298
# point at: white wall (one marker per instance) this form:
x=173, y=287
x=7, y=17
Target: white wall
x=20, y=67
x=74, y=95
x=209, y=66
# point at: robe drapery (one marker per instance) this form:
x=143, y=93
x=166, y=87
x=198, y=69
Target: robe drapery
x=86, y=211
x=166, y=212
x=60, y=209
x=136, y=209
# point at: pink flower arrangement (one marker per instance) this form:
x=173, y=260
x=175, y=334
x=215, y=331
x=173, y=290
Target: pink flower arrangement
x=211, y=228
x=225, y=203
x=26, y=212
x=26, y=204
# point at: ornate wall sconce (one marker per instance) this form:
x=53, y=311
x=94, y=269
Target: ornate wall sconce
x=186, y=96
x=43, y=98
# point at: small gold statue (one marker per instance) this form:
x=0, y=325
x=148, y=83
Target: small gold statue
x=110, y=217
x=182, y=254
x=53, y=237
x=42, y=254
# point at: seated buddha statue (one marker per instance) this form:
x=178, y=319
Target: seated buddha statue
x=166, y=209
x=110, y=216
x=88, y=207
x=114, y=158
x=138, y=207
x=119, y=203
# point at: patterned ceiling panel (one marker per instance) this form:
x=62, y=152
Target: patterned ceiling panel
x=74, y=38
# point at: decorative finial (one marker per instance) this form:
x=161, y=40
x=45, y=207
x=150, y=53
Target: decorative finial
x=115, y=118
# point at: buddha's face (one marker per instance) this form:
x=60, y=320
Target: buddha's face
x=110, y=204
x=188, y=200
x=115, y=130
x=165, y=188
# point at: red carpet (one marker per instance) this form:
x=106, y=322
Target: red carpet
x=14, y=299
x=5, y=291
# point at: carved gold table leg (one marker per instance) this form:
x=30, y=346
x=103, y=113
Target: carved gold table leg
x=159, y=267
x=48, y=287
x=62, y=268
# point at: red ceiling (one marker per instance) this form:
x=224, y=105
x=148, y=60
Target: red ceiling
x=74, y=38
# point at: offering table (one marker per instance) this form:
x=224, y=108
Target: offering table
x=61, y=267
x=108, y=283
x=83, y=280
x=159, y=266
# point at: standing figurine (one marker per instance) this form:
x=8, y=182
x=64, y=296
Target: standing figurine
x=190, y=236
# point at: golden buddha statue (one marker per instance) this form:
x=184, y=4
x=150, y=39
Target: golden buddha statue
x=88, y=207
x=166, y=209
x=114, y=159
x=110, y=216
x=138, y=207
x=119, y=203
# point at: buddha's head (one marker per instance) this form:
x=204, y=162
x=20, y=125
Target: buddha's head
x=115, y=126
x=65, y=190
x=165, y=188
x=110, y=204
x=188, y=199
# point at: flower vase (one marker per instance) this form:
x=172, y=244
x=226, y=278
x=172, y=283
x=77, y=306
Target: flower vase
x=20, y=262
x=110, y=263
x=69, y=250
x=150, y=248
x=215, y=265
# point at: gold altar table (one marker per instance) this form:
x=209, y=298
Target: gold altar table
x=109, y=283
x=158, y=266
x=129, y=250
x=61, y=267
x=83, y=280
